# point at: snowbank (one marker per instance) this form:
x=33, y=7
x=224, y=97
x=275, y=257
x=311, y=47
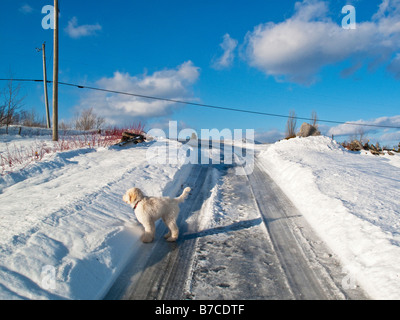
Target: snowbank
x=351, y=200
x=65, y=232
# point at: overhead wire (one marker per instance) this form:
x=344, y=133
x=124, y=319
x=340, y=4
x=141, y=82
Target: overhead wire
x=205, y=105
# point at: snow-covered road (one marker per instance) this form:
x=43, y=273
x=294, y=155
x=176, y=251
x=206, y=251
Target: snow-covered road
x=241, y=238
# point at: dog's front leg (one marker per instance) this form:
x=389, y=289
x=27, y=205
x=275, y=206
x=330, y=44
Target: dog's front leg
x=149, y=231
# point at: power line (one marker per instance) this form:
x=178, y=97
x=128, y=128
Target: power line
x=204, y=105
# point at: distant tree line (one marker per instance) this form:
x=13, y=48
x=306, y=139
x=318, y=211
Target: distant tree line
x=12, y=112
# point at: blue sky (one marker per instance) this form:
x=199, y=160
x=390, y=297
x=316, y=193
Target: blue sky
x=270, y=56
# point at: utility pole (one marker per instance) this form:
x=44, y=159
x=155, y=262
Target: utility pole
x=46, y=98
x=55, y=74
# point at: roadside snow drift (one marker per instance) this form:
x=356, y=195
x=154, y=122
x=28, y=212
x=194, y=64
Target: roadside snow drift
x=65, y=232
x=351, y=200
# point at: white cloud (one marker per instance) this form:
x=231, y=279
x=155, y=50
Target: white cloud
x=385, y=136
x=268, y=136
x=349, y=129
x=169, y=83
x=26, y=9
x=392, y=137
x=394, y=67
x=228, y=45
x=310, y=9
x=75, y=31
x=296, y=49
x=391, y=7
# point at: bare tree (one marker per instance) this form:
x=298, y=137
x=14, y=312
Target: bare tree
x=291, y=125
x=314, y=119
x=12, y=101
x=64, y=126
x=88, y=120
x=360, y=134
x=2, y=112
x=358, y=140
x=30, y=119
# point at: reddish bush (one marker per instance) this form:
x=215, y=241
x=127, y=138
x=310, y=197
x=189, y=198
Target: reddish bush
x=21, y=157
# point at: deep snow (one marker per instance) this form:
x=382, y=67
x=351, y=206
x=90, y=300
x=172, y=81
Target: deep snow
x=351, y=199
x=65, y=232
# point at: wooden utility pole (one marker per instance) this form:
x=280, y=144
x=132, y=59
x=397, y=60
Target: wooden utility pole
x=46, y=97
x=55, y=74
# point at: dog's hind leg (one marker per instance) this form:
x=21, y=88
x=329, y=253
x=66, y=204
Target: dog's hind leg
x=168, y=234
x=149, y=231
x=173, y=233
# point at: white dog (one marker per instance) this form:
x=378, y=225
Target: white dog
x=149, y=209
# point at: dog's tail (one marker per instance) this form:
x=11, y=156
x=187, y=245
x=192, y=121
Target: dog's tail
x=184, y=195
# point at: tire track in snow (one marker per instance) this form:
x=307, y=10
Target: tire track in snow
x=312, y=271
x=277, y=211
x=235, y=258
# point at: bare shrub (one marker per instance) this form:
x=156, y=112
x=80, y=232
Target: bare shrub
x=291, y=125
x=88, y=120
x=359, y=135
x=30, y=119
x=314, y=119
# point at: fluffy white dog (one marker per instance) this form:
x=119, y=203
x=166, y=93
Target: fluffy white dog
x=149, y=209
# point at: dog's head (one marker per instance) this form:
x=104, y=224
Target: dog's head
x=133, y=195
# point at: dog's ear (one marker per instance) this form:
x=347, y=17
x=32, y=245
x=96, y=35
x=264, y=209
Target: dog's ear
x=132, y=195
x=127, y=197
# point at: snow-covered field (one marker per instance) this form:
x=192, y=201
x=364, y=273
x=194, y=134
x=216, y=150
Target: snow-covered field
x=351, y=199
x=65, y=232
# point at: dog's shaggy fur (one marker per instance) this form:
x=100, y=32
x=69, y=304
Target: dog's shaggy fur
x=149, y=209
